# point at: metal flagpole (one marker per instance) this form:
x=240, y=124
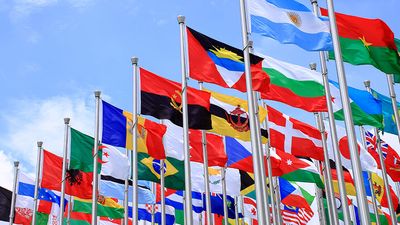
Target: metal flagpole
x=242, y=209
x=224, y=198
x=126, y=195
x=252, y=117
x=162, y=192
x=95, y=158
x=38, y=171
x=320, y=203
x=152, y=214
x=392, y=94
x=14, y=192
x=236, y=211
x=64, y=170
x=69, y=210
x=134, y=159
x=205, y=167
x=348, y=117
x=278, y=200
x=367, y=84
x=188, y=185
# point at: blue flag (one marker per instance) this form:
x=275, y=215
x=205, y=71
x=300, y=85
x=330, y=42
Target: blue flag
x=389, y=120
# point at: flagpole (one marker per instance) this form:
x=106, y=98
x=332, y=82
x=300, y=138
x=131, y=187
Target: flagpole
x=188, y=185
x=348, y=119
x=162, y=192
x=320, y=203
x=332, y=128
x=205, y=168
x=392, y=94
x=126, y=195
x=236, y=211
x=224, y=198
x=152, y=214
x=14, y=192
x=252, y=117
x=69, y=210
x=278, y=201
x=332, y=210
x=64, y=170
x=242, y=209
x=38, y=170
x=367, y=84
x=96, y=158
x=134, y=159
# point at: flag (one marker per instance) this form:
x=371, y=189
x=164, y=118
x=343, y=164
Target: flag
x=293, y=136
x=81, y=152
x=295, y=215
x=250, y=207
x=230, y=117
x=366, y=42
x=215, y=148
x=366, y=110
x=215, y=62
x=161, y=98
x=290, y=22
x=291, y=195
x=348, y=182
x=217, y=205
x=389, y=121
x=379, y=189
x=105, y=207
x=117, y=131
x=145, y=210
x=114, y=163
x=368, y=162
x=78, y=183
x=294, y=85
x=77, y=218
x=5, y=204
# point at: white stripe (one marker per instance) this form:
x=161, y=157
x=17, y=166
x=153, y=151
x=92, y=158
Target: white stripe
x=230, y=77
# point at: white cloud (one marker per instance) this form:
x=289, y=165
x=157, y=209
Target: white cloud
x=80, y=4
x=24, y=8
x=6, y=171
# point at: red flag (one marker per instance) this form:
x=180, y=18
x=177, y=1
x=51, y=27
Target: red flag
x=215, y=149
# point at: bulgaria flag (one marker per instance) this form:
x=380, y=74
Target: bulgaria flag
x=294, y=85
x=293, y=136
x=367, y=42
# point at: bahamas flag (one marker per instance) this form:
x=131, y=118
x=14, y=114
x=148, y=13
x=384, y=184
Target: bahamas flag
x=389, y=121
x=117, y=131
x=215, y=62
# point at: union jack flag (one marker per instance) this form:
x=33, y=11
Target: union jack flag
x=370, y=140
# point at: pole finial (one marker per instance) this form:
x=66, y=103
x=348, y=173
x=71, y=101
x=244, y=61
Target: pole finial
x=367, y=83
x=40, y=144
x=314, y=1
x=313, y=66
x=181, y=19
x=66, y=120
x=97, y=94
x=16, y=163
x=134, y=60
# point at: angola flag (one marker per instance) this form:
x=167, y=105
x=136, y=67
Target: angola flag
x=161, y=98
x=215, y=62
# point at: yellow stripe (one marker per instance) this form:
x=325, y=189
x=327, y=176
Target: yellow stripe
x=129, y=127
x=109, y=202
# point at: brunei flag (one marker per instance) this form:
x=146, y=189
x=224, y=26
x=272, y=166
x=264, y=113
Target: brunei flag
x=161, y=98
x=117, y=131
x=230, y=117
x=215, y=62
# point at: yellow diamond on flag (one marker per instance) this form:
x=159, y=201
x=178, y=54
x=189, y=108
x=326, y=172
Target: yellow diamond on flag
x=154, y=165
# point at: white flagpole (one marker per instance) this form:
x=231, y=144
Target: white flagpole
x=188, y=185
x=392, y=94
x=38, y=171
x=64, y=170
x=242, y=208
x=348, y=117
x=152, y=214
x=95, y=158
x=253, y=122
x=320, y=203
x=134, y=159
x=278, y=200
x=367, y=84
x=126, y=196
x=162, y=192
x=14, y=192
x=236, y=211
x=224, y=198
x=69, y=210
x=206, y=176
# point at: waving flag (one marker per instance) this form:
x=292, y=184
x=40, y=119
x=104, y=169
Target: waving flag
x=291, y=195
x=290, y=22
x=5, y=204
x=389, y=120
x=379, y=189
x=145, y=211
x=215, y=62
x=105, y=207
x=114, y=163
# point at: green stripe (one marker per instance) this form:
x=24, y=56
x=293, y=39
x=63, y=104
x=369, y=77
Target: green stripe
x=304, y=176
x=383, y=58
x=75, y=222
x=82, y=152
x=309, y=197
x=360, y=117
x=86, y=207
x=42, y=218
x=308, y=89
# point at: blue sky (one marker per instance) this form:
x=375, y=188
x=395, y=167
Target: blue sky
x=55, y=53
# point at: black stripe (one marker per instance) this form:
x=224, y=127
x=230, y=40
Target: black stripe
x=119, y=181
x=159, y=106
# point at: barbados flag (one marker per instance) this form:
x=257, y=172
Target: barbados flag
x=215, y=62
x=117, y=131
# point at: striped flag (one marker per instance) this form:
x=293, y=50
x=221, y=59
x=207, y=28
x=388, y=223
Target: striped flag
x=295, y=216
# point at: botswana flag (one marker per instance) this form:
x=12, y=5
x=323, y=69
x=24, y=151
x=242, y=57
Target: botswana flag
x=161, y=98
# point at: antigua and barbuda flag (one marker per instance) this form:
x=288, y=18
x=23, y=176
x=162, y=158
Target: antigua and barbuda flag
x=215, y=62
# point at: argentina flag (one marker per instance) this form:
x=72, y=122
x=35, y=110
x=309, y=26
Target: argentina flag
x=290, y=22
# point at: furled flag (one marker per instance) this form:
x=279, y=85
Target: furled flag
x=215, y=148
x=78, y=183
x=365, y=108
x=145, y=213
x=294, y=85
x=149, y=168
x=230, y=117
x=293, y=136
x=368, y=162
x=389, y=121
x=5, y=204
x=161, y=98
x=215, y=62
x=117, y=131
x=391, y=157
x=370, y=40
x=105, y=207
x=290, y=22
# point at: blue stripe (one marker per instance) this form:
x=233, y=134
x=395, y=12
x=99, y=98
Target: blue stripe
x=114, y=126
x=286, y=188
x=366, y=183
x=228, y=64
x=179, y=205
x=235, y=151
x=289, y=34
x=388, y=114
x=143, y=214
x=116, y=190
x=289, y=4
x=43, y=193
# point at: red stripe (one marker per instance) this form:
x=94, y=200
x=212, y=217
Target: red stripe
x=215, y=148
x=154, y=136
x=375, y=31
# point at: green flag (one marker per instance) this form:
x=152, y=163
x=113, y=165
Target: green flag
x=82, y=152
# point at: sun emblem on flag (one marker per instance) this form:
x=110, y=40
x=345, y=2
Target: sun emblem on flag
x=238, y=124
x=175, y=99
x=295, y=18
x=226, y=54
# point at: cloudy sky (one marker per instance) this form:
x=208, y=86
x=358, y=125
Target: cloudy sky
x=55, y=53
